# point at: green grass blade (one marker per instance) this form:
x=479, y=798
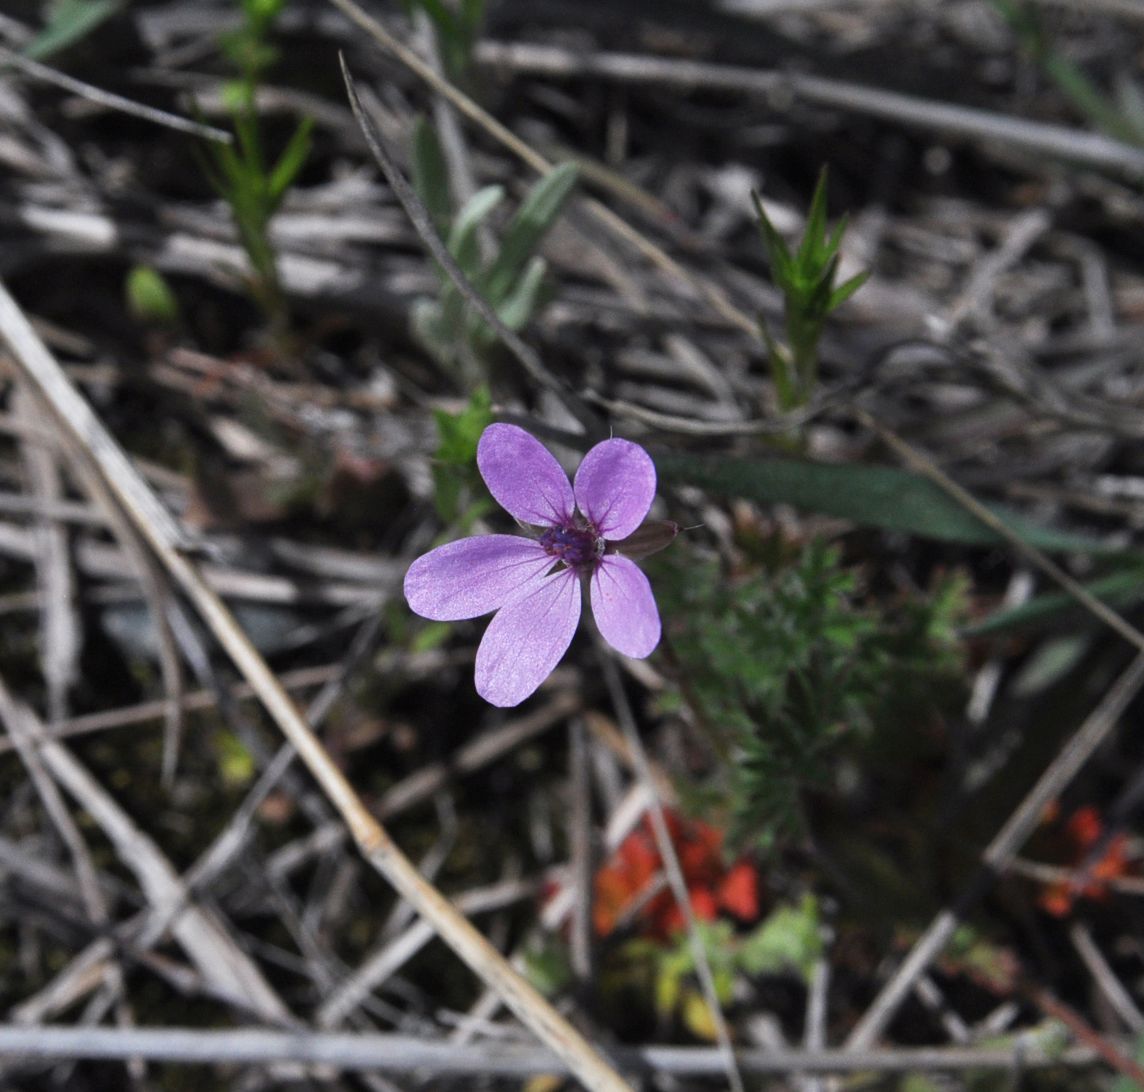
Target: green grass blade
x=1118, y=590
x=476, y=209
x=810, y=252
x=526, y=230
x=71, y=21
x=844, y=291
x=524, y=296
x=777, y=252
x=872, y=496
x=290, y=162
x=431, y=175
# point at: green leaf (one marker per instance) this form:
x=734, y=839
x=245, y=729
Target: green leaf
x=844, y=291
x=523, y=298
x=460, y=432
x=873, y=496
x=289, y=163
x=149, y=296
x=835, y=240
x=777, y=252
x=431, y=175
x=234, y=761
x=810, y=252
x=71, y=21
x=1120, y=589
x=789, y=939
x=526, y=230
x=476, y=209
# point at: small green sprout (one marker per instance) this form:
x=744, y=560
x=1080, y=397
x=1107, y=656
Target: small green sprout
x=253, y=187
x=512, y=280
x=149, y=296
x=459, y=493
x=806, y=280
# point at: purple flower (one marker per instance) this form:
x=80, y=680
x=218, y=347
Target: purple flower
x=534, y=583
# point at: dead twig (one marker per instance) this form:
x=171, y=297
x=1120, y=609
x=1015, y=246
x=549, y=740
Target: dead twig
x=407, y=1054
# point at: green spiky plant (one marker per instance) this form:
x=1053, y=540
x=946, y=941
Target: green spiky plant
x=806, y=277
x=252, y=184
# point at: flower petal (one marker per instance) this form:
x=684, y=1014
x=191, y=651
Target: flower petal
x=615, y=486
x=624, y=607
x=526, y=639
x=524, y=476
x=472, y=576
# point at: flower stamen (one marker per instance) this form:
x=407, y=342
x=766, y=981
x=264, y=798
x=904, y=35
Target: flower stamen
x=578, y=548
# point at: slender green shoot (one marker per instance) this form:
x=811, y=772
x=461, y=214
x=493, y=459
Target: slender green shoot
x=512, y=280
x=806, y=278
x=252, y=184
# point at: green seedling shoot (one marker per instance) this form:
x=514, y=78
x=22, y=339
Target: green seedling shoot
x=252, y=185
x=806, y=279
x=512, y=279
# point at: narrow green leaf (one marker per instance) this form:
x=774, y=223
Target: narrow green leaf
x=289, y=163
x=524, y=296
x=815, y=232
x=872, y=496
x=1119, y=590
x=476, y=209
x=525, y=232
x=71, y=21
x=844, y=291
x=777, y=253
x=835, y=240
x=431, y=175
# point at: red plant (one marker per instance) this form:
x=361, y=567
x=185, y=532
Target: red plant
x=1084, y=830
x=623, y=885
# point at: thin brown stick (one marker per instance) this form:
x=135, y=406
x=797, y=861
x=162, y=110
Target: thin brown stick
x=76, y=418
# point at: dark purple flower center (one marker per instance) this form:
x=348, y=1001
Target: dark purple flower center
x=576, y=547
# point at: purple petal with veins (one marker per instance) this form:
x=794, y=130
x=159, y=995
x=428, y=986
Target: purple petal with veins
x=524, y=476
x=527, y=637
x=472, y=576
x=624, y=607
x=615, y=486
